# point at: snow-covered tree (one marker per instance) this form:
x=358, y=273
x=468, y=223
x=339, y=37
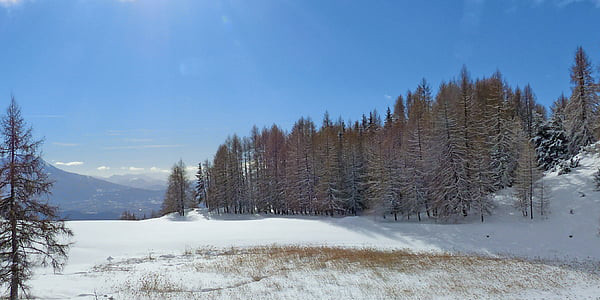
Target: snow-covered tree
x=551, y=143
x=301, y=167
x=30, y=233
x=581, y=113
x=330, y=192
x=503, y=153
x=449, y=182
x=200, y=185
x=356, y=172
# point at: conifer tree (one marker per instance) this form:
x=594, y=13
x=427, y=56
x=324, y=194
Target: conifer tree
x=30, y=233
x=200, y=185
x=302, y=182
x=449, y=184
x=178, y=196
x=503, y=153
x=581, y=114
x=356, y=172
x=527, y=173
x=551, y=143
x=414, y=185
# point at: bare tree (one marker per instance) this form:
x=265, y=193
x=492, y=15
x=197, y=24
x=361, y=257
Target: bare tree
x=179, y=195
x=30, y=232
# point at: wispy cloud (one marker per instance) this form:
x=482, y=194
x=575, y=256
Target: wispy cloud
x=386, y=96
x=136, y=140
x=103, y=168
x=158, y=170
x=65, y=144
x=562, y=3
x=69, y=164
x=134, y=147
x=471, y=18
x=9, y=2
x=135, y=169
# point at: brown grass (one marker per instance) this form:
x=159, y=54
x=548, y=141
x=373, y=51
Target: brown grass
x=361, y=273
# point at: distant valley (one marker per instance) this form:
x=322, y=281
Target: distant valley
x=81, y=197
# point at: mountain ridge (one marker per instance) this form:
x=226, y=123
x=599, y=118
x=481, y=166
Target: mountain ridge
x=82, y=197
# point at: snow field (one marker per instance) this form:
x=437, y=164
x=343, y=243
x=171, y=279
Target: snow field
x=294, y=272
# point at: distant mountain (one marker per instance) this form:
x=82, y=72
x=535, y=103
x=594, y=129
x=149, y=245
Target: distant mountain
x=140, y=181
x=82, y=197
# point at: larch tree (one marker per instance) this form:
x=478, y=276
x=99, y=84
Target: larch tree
x=414, y=185
x=449, y=184
x=527, y=173
x=179, y=195
x=30, y=232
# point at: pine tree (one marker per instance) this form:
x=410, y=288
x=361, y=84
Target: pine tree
x=29, y=230
x=200, y=185
x=581, y=111
x=178, y=196
x=551, y=143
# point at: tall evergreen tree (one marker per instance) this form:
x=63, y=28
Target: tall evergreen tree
x=551, y=143
x=581, y=114
x=30, y=232
x=200, y=185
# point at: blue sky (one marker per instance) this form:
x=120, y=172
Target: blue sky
x=132, y=86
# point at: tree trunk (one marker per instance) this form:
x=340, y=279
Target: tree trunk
x=14, y=270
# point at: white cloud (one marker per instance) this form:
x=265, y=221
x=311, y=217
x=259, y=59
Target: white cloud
x=386, y=96
x=134, y=169
x=69, y=164
x=158, y=170
x=64, y=144
x=103, y=168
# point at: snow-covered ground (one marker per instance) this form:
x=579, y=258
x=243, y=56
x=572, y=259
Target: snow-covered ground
x=113, y=257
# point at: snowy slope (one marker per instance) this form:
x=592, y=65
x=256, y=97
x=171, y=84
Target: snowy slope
x=560, y=236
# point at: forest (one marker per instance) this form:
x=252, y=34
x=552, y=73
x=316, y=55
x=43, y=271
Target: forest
x=437, y=155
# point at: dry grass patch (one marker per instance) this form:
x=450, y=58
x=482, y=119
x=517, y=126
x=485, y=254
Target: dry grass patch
x=285, y=272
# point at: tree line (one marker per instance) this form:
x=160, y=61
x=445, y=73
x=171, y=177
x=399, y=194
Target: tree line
x=439, y=155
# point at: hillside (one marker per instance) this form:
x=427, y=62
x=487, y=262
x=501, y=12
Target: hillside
x=139, y=181
x=82, y=197
x=560, y=253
